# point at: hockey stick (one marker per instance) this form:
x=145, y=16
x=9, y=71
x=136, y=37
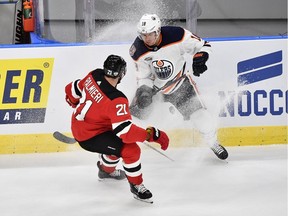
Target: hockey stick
x=63, y=138
x=150, y=146
x=69, y=140
x=169, y=83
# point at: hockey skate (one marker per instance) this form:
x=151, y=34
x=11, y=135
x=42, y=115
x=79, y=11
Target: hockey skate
x=220, y=151
x=117, y=174
x=140, y=192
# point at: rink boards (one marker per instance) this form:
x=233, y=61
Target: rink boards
x=245, y=89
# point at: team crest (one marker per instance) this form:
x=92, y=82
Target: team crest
x=163, y=69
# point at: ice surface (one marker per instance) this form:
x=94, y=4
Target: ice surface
x=252, y=183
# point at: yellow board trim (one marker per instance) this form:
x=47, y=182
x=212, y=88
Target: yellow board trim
x=236, y=136
x=253, y=135
x=31, y=143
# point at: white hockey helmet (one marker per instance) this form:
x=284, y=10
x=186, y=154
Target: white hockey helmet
x=149, y=23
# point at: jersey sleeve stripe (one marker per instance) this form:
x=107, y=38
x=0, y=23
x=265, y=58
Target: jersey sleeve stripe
x=121, y=127
x=206, y=43
x=76, y=93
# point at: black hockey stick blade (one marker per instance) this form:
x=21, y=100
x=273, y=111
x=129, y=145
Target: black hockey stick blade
x=63, y=138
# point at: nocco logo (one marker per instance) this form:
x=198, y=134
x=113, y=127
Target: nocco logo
x=257, y=102
x=259, y=68
x=163, y=68
x=24, y=88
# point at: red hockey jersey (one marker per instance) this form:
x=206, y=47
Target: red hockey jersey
x=101, y=107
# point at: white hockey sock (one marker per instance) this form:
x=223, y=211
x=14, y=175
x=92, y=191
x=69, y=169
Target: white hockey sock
x=206, y=124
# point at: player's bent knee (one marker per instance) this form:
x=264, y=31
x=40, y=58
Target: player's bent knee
x=144, y=96
x=130, y=152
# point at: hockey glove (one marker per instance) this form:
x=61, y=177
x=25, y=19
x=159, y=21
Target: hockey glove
x=72, y=102
x=144, y=96
x=199, y=63
x=156, y=135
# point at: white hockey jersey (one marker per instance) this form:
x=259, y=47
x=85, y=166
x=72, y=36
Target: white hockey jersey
x=157, y=65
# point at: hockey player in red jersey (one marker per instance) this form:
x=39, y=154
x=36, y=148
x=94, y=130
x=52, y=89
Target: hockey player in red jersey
x=101, y=123
x=160, y=55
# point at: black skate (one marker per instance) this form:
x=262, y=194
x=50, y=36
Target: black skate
x=220, y=151
x=141, y=193
x=117, y=174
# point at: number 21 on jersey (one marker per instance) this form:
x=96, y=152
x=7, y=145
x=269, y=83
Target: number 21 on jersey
x=84, y=106
x=121, y=109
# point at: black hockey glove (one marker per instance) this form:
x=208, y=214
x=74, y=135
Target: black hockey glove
x=199, y=63
x=144, y=96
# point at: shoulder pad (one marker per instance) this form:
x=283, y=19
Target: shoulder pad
x=137, y=49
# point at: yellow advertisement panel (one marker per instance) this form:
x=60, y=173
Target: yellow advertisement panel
x=24, y=89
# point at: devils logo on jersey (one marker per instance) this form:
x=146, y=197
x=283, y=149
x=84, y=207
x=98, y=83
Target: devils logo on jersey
x=163, y=69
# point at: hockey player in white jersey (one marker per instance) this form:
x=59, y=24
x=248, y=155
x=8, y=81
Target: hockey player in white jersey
x=159, y=54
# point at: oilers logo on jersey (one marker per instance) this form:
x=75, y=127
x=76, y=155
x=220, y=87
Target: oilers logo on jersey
x=163, y=69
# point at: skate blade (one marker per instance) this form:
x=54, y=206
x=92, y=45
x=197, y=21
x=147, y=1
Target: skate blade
x=143, y=200
x=110, y=179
